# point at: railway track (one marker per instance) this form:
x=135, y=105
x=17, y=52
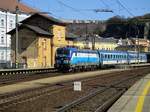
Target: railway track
x=82, y=104
x=21, y=75
x=55, y=97
x=14, y=78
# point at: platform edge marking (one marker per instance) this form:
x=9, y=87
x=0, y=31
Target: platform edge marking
x=140, y=103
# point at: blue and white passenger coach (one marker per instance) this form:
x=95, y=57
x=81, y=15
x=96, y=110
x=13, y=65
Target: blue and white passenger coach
x=71, y=58
x=113, y=57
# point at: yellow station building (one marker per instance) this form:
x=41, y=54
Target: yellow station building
x=39, y=37
x=99, y=43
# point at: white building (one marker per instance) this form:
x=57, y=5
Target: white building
x=7, y=23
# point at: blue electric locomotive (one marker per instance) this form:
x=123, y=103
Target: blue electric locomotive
x=71, y=58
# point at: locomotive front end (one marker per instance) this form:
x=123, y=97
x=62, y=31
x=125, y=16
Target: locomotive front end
x=62, y=59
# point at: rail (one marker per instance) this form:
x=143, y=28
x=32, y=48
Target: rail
x=25, y=71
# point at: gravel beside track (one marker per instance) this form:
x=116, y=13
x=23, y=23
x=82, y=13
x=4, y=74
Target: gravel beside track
x=49, y=98
x=15, y=78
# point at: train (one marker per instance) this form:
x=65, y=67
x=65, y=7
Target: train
x=69, y=58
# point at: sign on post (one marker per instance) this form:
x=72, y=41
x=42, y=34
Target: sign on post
x=77, y=86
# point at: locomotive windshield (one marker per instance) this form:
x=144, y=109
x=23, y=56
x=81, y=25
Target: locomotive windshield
x=62, y=52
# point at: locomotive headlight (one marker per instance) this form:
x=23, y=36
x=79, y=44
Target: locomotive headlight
x=66, y=61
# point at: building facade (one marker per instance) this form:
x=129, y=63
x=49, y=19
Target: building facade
x=98, y=43
x=134, y=44
x=7, y=23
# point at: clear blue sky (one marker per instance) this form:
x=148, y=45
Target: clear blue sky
x=81, y=9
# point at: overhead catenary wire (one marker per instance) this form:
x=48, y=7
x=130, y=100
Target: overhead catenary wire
x=123, y=6
x=107, y=6
x=70, y=7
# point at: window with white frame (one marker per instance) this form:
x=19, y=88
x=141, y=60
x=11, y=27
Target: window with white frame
x=2, y=39
x=2, y=55
x=11, y=23
x=2, y=22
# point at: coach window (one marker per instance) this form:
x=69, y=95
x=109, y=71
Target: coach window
x=111, y=56
x=114, y=56
x=105, y=55
x=117, y=56
x=108, y=56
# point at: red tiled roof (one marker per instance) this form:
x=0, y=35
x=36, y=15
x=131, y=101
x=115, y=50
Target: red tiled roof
x=10, y=5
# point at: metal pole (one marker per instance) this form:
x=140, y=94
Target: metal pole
x=16, y=55
x=6, y=38
x=137, y=48
x=93, y=42
x=86, y=31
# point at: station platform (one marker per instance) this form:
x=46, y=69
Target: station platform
x=52, y=80
x=136, y=99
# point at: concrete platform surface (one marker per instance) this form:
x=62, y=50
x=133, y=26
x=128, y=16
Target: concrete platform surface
x=52, y=80
x=136, y=99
